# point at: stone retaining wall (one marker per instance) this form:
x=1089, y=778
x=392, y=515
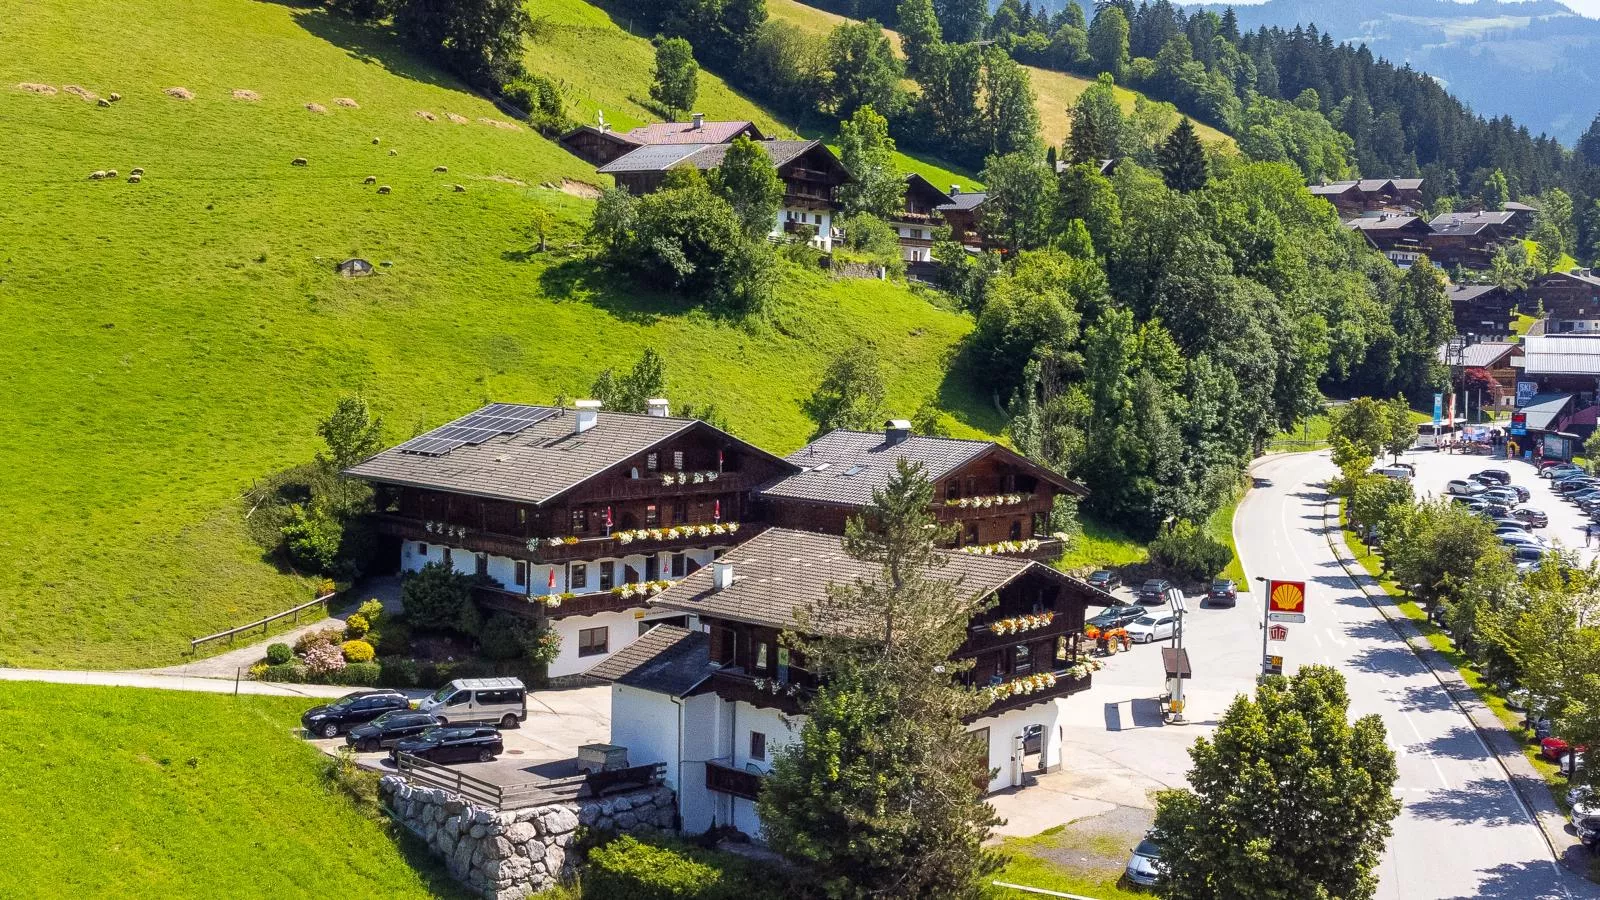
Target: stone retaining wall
x=510, y=854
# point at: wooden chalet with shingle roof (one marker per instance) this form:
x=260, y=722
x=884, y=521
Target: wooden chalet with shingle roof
x=964, y=215
x=1469, y=239
x=811, y=177
x=600, y=145
x=914, y=224
x=575, y=515
x=1355, y=198
x=1401, y=238
x=993, y=495
x=713, y=701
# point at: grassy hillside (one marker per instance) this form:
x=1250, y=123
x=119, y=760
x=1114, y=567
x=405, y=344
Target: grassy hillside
x=213, y=798
x=1055, y=92
x=174, y=340
x=608, y=70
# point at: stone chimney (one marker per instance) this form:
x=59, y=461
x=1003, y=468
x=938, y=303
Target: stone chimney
x=588, y=413
x=721, y=575
x=955, y=190
x=896, y=431
x=699, y=121
x=658, y=407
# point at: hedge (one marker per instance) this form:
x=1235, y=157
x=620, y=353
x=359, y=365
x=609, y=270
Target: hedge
x=629, y=869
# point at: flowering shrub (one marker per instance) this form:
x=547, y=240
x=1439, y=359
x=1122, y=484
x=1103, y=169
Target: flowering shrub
x=986, y=502
x=1022, y=623
x=1024, y=546
x=357, y=651
x=323, y=659
x=313, y=638
x=371, y=610
x=257, y=670
x=356, y=625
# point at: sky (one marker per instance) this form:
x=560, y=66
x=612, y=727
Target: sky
x=1589, y=8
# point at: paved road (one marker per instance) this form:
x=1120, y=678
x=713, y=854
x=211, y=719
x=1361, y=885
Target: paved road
x=1462, y=832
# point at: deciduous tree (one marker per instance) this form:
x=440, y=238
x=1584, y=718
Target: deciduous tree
x=1288, y=799
x=867, y=151
x=749, y=181
x=851, y=393
x=677, y=76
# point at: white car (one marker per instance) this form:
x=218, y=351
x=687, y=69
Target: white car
x=1154, y=627
x=1461, y=487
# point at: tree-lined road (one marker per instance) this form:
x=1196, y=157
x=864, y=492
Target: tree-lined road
x=1463, y=832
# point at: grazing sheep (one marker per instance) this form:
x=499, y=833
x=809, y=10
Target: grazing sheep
x=440, y=169
x=102, y=102
x=394, y=152
x=137, y=170
x=115, y=96
x=383, y=189
x=111, y=173
x=96, y=176
x=374, y=140
x=461, y=189
x=299, y=161
x=133, y=179
x=370, y=179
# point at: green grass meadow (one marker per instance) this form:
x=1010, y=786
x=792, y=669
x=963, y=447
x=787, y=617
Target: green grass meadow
x=172, y=341
x=130, y=793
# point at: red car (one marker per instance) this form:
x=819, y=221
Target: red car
x=1553, y=748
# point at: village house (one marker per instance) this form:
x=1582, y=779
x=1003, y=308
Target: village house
x=570, y=516
x=1468, y=239
x=997, y=499
x=1570, y=301
x=715, y=699
x=598, y=144
x=1401, y=238
x=1355, y=198
x=1489, y=371
x=811, y=177
x=1485, y=311
x=914, y=224
x=963, y=213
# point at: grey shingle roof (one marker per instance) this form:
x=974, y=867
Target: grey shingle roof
x=1468, y=223
x=666, y=659
x=686, y=133
x=1482, y=355
x=966, y=200
x=534, y=466
x=1544, y=409
x=1381, y=223
x=845, y=467
x=659, y=157
x=780, y=569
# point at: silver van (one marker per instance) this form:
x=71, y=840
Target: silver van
x=503, y=701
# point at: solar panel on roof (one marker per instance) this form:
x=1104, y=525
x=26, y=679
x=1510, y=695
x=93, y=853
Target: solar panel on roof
x=492, y=421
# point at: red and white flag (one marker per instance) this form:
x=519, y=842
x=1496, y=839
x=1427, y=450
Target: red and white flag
x=552, y=582
x=716, y=510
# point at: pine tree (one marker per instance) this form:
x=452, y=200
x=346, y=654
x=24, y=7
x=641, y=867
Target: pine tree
x=1108, y=42
x=1183, y=160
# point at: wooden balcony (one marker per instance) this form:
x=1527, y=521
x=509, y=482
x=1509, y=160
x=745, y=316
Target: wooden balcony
x=600, y=546
x=735, y=686
x=475, y=540
x=980, y=639
x=1066, y=686
x=490, y=597
x=649, y=484
x=725, y=779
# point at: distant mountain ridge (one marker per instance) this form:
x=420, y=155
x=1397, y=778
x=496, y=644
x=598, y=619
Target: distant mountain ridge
x=1536, y=61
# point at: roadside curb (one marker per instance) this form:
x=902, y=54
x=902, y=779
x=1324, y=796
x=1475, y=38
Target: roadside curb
x=1531, y=790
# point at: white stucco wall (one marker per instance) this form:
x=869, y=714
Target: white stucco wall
x=1004, y=732
x=624, y=630
x=647, y=724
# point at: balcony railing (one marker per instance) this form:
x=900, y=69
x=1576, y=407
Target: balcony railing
x=763, y=693
x=476, y=540
x=603, y=545
x=1065, y=686
x=980, y=639
x=725, y=779
x=530, y=606
x=649, y=484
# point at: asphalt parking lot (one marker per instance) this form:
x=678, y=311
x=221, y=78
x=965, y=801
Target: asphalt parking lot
x=544, y=746
x=1567, y=522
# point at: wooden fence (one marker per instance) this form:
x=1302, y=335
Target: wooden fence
x=262, y=624
x=537, y=792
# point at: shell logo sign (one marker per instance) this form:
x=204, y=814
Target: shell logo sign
x=1286, y=601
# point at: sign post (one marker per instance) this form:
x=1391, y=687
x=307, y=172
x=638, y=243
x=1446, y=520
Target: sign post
x=1286, y=602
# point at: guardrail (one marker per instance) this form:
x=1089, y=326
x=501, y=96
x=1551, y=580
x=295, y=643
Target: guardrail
x=262, y=624
x=528, y=793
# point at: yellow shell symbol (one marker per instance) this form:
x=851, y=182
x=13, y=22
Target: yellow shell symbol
x=1287, y=596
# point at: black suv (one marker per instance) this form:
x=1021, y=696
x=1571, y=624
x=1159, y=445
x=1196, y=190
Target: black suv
x=1223, y=592
x=351, y=710
x=1493, y=476
x=1154, y=591
x=445, y=745
x=1104, y=579
x=1116, y=616
x=388, y=729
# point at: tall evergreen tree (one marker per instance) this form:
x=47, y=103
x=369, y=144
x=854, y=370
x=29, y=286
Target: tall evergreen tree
x=1097, y=124
x=1108, y=42
x=919, y=30
x=962, y=21
x=1183, y=160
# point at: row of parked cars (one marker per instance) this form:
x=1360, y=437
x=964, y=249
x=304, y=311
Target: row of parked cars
x=456, y=723
x=1142, y=623
x=1491, y=494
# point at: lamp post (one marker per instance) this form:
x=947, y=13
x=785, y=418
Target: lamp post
x=1266, y=604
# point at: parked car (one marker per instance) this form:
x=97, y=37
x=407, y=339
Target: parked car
x=1527, y=553
x=1223, y=592
x=1153, y=627
x=1534, y=517
x=1495, y=510
x=447, y=745
x=389, y=728
x=1395, y=472
x=1584, y=802
x=1495, y=476
x=1154, y=591
x=1104, y=579
x=1553, y=748
x=1472, y=503
x=1523, y=494
x=1116, y=616
x=1574, y=485
x=1502, y=495
x=1461, y=487
x=1514, y=539
x=1588, y=830
x=1511, y=524
x=1144, y=866
x=351, y=710
x=502, y=700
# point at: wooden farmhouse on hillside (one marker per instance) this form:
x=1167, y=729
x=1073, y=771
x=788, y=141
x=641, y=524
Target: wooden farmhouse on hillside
x=598, y=145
